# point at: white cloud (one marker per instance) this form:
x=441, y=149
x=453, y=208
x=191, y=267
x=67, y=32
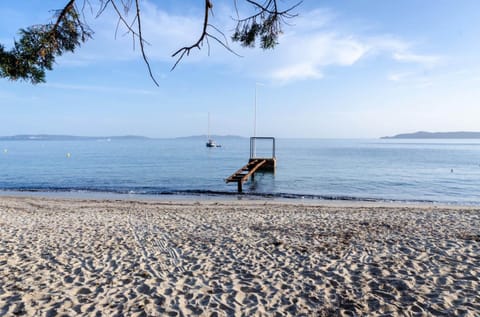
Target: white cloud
x=106, y=89
x=304, y=57
x=399, y=76
x=294, y=72
x=425, y=60
x=309, y=48
x=413, y=79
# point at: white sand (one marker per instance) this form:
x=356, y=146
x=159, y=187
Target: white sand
x=138, y=258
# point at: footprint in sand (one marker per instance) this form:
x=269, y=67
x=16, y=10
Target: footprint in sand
x=83, y=291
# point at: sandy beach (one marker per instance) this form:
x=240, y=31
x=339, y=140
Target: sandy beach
x=78, y=257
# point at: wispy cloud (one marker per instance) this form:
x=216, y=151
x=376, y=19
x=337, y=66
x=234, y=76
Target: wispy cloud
x=308, y=49
x=400, y=76
x=105, y=89
x=304, y=57
x=425, y=60
x=422, y=78
x=294, y=72
x=414, y=79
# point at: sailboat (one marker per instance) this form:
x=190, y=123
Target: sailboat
x=210, y=142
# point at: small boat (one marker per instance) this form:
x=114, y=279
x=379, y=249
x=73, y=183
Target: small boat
x=211, y=142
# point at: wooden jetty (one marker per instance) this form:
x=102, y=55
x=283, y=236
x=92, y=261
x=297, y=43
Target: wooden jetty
x=254, y=164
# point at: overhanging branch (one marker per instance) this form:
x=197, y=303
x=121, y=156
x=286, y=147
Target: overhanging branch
x=39, y=45
x=186, y=49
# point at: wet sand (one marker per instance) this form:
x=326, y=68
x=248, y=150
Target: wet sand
x=152, y=258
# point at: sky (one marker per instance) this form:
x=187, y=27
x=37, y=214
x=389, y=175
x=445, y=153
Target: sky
x=342, y=69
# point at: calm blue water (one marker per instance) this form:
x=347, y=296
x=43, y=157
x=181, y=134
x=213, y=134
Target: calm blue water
x=445, y=171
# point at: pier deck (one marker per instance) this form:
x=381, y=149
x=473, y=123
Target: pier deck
x=245, y=172
x=255, y=163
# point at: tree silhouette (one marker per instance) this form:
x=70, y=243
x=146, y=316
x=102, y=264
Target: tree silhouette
x=39, y=45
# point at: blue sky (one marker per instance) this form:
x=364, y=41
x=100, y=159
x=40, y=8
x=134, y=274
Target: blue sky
x=343, y=69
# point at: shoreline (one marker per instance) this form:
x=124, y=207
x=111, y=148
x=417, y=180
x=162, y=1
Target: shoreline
x=233, y=197
x=152, y=258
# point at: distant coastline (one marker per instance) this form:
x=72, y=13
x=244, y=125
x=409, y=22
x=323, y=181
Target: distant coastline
x=435, y=135
x=61, y=137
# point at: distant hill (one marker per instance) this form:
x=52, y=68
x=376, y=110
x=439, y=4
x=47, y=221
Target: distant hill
x=56, y=137
x=61, y=137
x=436, y=135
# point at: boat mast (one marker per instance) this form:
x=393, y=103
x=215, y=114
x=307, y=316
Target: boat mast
x=208, y=131
x=255, y=117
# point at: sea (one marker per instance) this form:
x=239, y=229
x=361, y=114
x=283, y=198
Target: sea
x=416, y=171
